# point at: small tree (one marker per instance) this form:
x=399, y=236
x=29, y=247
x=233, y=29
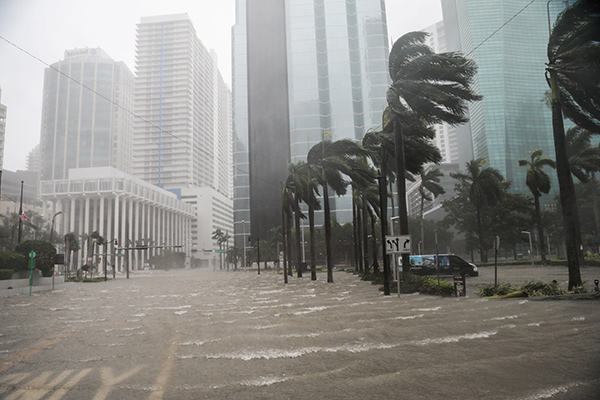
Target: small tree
x=44, y=254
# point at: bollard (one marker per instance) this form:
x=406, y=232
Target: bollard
x=460, y=280
x=596, y=283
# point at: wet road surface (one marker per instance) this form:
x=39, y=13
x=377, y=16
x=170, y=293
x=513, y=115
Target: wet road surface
x=237, y=335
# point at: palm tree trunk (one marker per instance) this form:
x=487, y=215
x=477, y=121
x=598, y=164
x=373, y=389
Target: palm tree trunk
x=365, y=233
x=327, y=221
x=482, y=249
x=374, y=241
x=283, y=238
x=289, y=246
x=401, y=184
x=355, y=233
x=568, y=200
x=540, y=227
x=313, y=250
x=298, y=237
x=422, y=226
x=359, y=241
x=595, y=203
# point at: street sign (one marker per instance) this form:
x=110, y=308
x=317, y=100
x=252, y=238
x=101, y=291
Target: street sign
x=32, y=254
x=220, y=251
x=397, y=244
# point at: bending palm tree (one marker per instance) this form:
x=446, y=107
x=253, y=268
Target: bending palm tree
x=538, y=182
x=573, y=55
x=427, y=88
x=429, y=189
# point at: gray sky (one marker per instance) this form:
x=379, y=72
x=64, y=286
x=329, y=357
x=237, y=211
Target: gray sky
x=46, y=28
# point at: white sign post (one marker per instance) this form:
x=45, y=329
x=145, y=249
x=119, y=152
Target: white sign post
x=397, y=245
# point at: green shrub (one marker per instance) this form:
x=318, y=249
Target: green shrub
x=6, y=274
x=425, y=285
x=541, y=289
x=44, y=254
x=531, y=289
x=12, y=260
x=500, y=290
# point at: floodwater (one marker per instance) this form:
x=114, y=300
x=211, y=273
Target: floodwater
x=238, y=335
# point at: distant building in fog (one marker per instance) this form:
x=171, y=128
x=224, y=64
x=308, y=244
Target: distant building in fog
x=2, y=129
x=86, y=119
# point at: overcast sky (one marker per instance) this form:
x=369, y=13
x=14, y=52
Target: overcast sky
x=46, y=28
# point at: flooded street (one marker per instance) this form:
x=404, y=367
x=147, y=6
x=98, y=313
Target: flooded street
x=238, y=335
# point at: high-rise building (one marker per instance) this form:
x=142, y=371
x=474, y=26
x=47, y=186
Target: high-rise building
x=508, y=41
x=183, y=133
x=337, y=53
x=2, y=130
x=86, y=119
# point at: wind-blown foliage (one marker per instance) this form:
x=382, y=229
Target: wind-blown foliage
x=426, y=88
x=485, y=188
x=573, y=59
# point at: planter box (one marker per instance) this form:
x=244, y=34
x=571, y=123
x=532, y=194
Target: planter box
x=20, y=280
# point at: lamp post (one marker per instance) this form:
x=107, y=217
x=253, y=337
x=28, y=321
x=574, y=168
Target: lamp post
x=52, y=226
x=244, y=241
x=530, y=246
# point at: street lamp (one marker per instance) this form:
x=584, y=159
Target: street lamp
x=52, y=226
x=244, y=241
x=530, y=246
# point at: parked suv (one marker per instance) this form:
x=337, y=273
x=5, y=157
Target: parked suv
x=449, y=265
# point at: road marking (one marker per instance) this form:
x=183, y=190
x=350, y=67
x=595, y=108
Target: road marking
x=165, y=372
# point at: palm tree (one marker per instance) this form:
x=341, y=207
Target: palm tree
x=485, y=186
x=218, y=235
x=584, y=159
x=429, y=189
x=334, y=159
x=538, y=182
x=572, y=73
x=296, y=182
x=426, y=88
x=584, y=162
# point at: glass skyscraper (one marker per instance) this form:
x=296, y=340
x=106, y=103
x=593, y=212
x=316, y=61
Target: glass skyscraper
x=81, y=128
x=508, y=41
x=337, y=53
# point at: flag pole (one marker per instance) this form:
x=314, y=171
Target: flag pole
x=20, y=215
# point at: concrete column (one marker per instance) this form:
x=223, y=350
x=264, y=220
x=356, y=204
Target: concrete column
x=136, y=233
x=122, y=232
x=72, y=216
x=130, y=233
x=116, y=227
x=95, y=216
x=101, y=219
x=109, y=219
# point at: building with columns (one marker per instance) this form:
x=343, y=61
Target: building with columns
x=119, y=206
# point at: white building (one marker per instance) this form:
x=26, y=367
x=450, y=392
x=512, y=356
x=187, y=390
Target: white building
x=183, y=136
x=213, y=211
x=2, y=129
x=119, y=206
